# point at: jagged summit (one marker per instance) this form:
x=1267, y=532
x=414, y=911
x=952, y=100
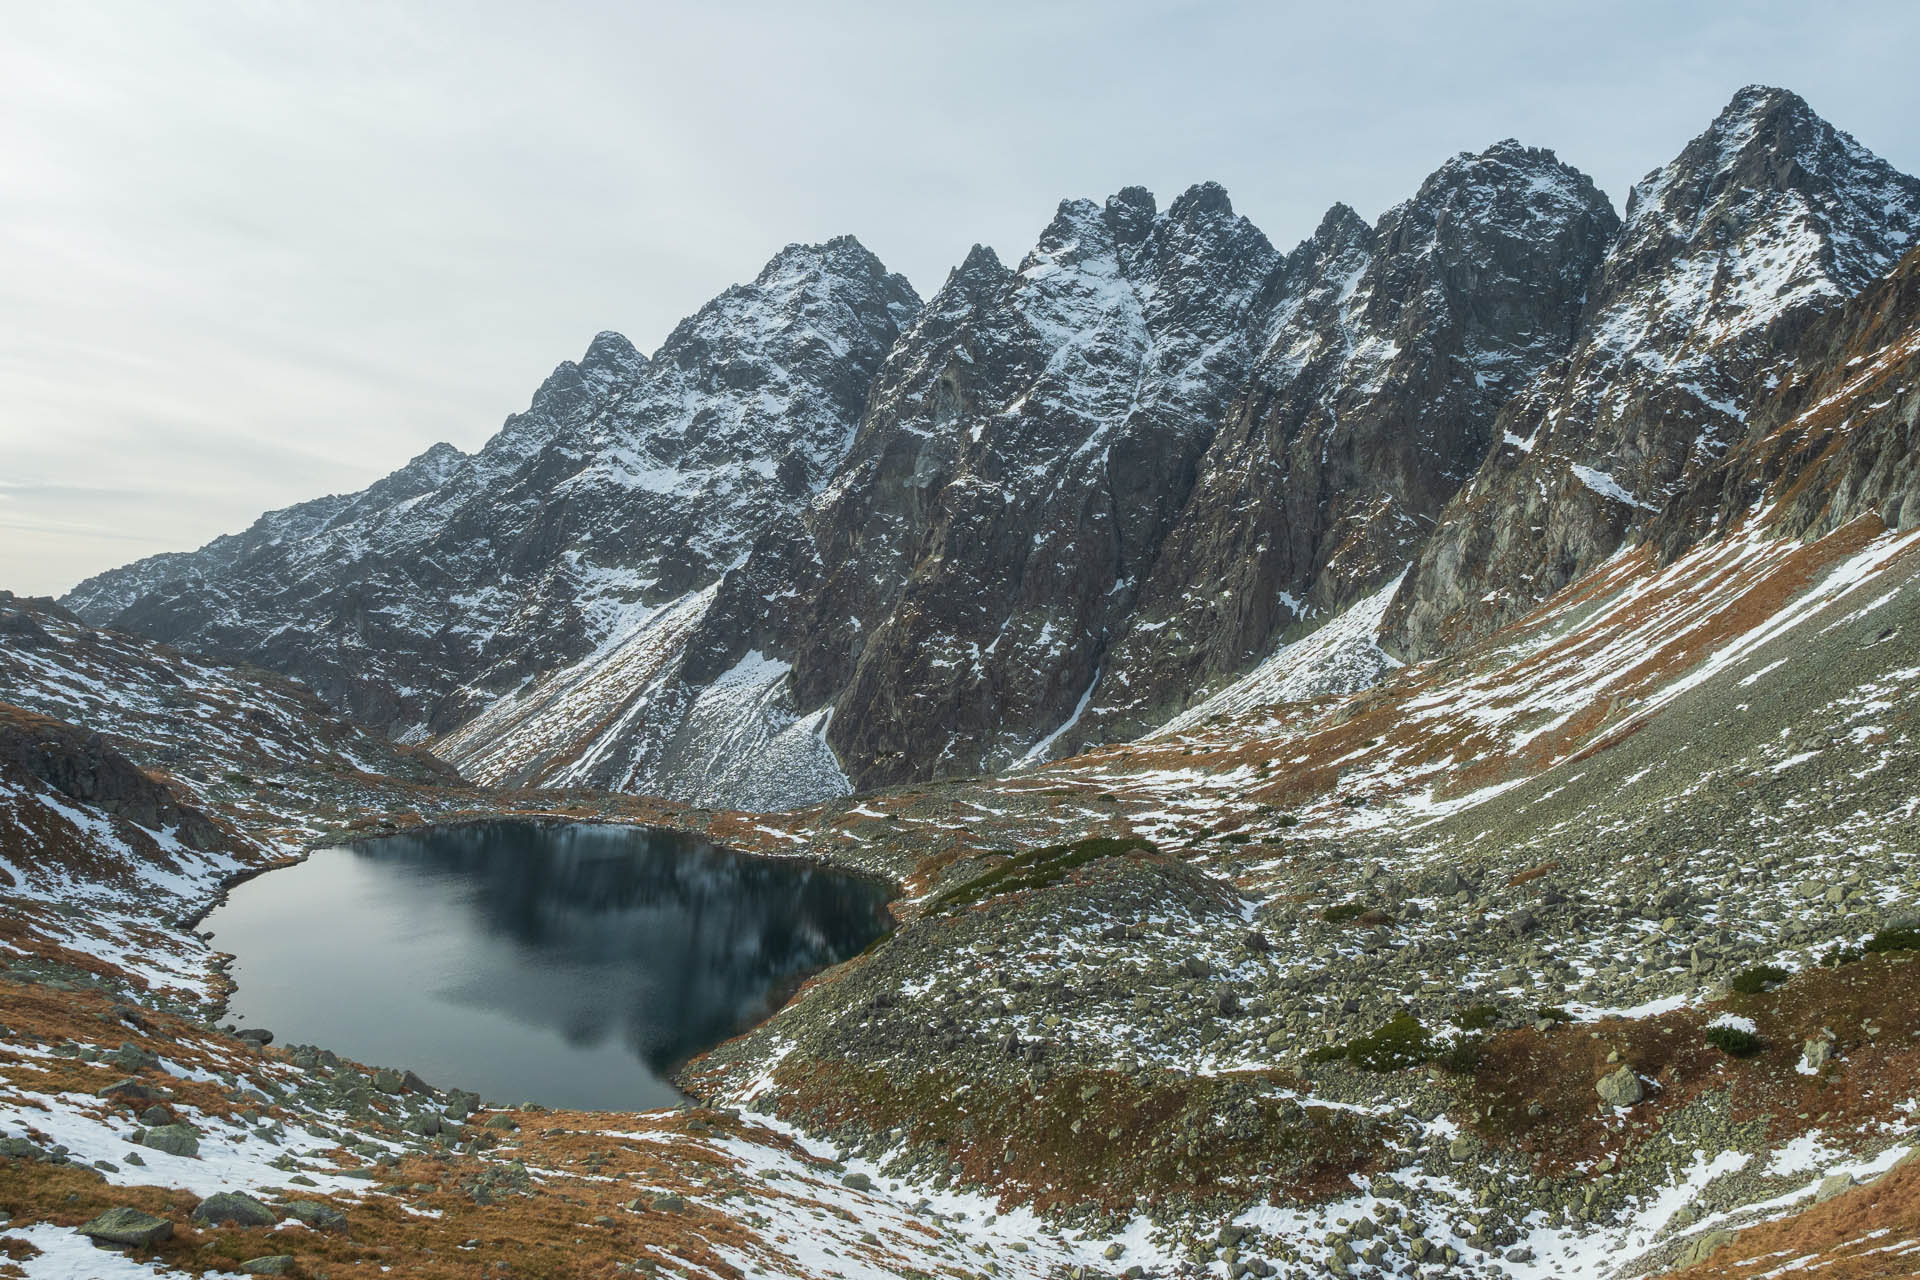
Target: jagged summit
x=1766, y=219
x=612, y=351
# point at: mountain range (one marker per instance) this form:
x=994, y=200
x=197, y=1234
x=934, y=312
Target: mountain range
x=830, y=536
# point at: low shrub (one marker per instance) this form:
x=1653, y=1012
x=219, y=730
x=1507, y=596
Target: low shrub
x=1734, y=1041
x=1476, y=1017
x=1897, y=938
x=1751, y=982
x=1402, y=1042
x=1462, y=1057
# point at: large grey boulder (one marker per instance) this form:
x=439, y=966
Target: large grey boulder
x=1620, y=1088
x=174, y=1139
x=128, y=1228
x=234, y=1208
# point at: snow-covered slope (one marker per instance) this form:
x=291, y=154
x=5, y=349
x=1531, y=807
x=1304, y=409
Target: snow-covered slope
x=1341, y=656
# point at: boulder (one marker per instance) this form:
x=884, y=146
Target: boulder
x=174, y=1139
x=1832, y=1185
x=274, y=1264
x=235, y=1208
x=129, y=1090
x=1621, y=1088
x=128, y=1228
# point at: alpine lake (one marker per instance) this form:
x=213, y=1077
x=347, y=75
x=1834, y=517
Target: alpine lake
x=574, y=965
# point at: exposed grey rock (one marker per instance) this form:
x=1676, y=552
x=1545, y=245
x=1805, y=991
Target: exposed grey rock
x=1620, y=1088
x=1765, y=221
x=318, y=1215
x=128, y=1228
x=178, y=1139
x=233, y=1208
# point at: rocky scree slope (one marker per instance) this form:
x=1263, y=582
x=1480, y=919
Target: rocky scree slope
x=627, y=483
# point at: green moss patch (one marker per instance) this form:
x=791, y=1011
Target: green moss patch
x=1033, y=869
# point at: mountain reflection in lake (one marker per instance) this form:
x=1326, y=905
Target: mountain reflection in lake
x=572, y=965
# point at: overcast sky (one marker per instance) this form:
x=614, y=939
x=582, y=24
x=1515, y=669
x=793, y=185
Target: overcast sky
x=254, y=253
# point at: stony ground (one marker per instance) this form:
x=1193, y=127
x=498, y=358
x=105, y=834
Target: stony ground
x=1582, y=955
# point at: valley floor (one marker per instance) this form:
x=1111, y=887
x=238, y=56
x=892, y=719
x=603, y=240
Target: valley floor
x=1590, y=952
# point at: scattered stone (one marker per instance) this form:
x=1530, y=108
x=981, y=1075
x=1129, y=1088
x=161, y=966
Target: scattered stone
x=131, y=1057
x=1701, y=1249
x=129, y=1090
x=319, y=1216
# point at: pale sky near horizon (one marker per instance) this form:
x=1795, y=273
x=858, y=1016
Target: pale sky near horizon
x=254, y=253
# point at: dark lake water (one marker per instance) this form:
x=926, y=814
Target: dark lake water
x=567, y=964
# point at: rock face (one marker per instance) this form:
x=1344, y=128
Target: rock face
x=826, y=539
x=1764, y=222
x=628, y=482
x=1025, y=454
x=1388, y=352
x=1836, y=438
x=84, y=767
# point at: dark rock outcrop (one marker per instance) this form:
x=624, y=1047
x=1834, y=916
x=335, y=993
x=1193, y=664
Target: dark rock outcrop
x=1390, y=350
x=84, y=767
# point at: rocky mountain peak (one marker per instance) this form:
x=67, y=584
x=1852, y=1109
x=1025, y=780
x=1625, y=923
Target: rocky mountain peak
x=1826, y=213
x=981, y=263
x=611, y=353
x=1764, y=221
x=1201, y=202
x=1130, y=211
x=436, y=462
x=1062, y=502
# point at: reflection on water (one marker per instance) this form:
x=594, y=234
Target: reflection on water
x=566, y=964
